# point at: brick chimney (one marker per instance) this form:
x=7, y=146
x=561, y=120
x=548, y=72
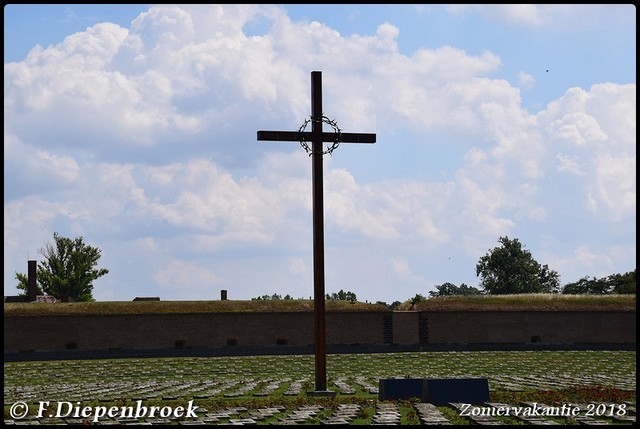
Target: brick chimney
x=32, y=290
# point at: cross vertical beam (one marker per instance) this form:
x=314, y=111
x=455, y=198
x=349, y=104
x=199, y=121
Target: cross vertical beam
x=318, y=232
x=317, y=137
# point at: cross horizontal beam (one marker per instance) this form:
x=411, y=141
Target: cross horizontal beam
x=297, y=136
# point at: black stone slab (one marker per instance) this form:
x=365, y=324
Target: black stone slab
x=463, y=390
x=438, y=391
x=392, y=389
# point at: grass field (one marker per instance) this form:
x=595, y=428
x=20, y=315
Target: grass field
x=272, y=389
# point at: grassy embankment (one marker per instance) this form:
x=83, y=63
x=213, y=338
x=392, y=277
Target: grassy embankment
x=527, y=302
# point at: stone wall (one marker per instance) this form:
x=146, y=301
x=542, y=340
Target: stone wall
x=210, y=330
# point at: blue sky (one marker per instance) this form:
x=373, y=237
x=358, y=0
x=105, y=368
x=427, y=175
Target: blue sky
x=134, y=126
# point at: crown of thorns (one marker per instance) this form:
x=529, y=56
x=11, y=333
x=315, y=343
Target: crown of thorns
x=330, y=122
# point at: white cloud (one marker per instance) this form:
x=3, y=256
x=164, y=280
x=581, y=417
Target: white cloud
x=614, y=186
x=528, y=14
x=180, y=277
x=144, y=140
x=526, y=80
x=567, y=163
x=34, y=170
x=582, y=135
x=515, y=14
x=401, y=267
x=582, y=257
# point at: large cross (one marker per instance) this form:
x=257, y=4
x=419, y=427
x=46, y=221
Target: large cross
x=317, y=137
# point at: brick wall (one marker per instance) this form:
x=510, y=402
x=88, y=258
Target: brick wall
x=103, y=332
x=555, y=327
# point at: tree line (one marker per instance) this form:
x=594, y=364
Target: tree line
x=339, y=296
x=69, y=269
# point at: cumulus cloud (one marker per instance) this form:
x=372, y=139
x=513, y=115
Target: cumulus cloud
x=582, y=136
x=146, y=142
x=35, y=170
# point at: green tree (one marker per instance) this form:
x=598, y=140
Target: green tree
x=449, y=289
x=623, y=283
x=274, y=297
x=342, y=296
x=615, y=283
x=510, y=269
x=417, y=299
x=23, y=282
x=392, y=306
x=587, y=286
x=68, y=271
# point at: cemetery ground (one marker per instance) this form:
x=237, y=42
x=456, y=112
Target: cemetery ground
x=599, y=385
